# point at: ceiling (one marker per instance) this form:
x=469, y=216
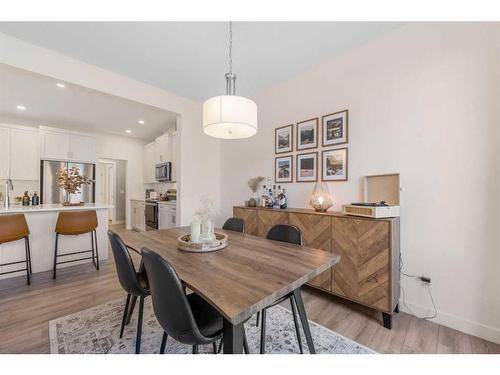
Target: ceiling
x=76, y=108
x=190, y=58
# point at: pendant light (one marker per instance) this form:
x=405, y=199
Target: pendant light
x=230, y=116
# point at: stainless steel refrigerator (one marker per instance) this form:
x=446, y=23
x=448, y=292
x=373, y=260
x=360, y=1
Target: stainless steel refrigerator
x=50, y=192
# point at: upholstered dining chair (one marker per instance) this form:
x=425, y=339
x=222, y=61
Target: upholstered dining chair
x=235, y=224
x=291, y=234
x=134, y=283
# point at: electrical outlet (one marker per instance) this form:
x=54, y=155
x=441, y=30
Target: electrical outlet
x=425, y=279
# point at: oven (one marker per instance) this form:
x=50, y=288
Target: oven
x=163, y=172
x=151, y=214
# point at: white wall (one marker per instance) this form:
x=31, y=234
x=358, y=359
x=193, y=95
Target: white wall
x=423, y=101
x=199, y=155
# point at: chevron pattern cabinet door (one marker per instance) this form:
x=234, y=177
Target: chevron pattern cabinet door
x=317, y=232
x=362, y=274
x=268, y=218
x=250, y=217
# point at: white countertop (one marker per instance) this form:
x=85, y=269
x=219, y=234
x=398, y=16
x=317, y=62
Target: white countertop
x=51, y=207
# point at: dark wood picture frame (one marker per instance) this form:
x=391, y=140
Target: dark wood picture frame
x=297, y=166
x=283, y=181
x=346, y=176
x=298, y=146
x=345, y=126
x=276, y=151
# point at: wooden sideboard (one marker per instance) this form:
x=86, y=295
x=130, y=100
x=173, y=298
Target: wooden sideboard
x=368, y=272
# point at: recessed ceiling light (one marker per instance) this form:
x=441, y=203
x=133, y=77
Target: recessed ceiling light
x=128, y=131
x=61, y=85
x=21, y=107
x=141, y=122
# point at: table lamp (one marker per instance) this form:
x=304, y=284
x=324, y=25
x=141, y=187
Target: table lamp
x=321, y=199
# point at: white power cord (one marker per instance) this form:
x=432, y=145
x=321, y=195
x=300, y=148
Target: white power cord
x=428, y=291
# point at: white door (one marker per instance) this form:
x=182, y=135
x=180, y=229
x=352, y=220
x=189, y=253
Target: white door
x=82, y=148
x=4, y=153
x=55, y=145
x=25, y=158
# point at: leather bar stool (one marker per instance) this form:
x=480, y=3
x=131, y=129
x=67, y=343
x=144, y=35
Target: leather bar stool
x=75, y=223
x=14, y=228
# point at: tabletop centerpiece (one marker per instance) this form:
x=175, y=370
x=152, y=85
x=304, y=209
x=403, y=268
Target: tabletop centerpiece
x=71, y=180
x=254, y=184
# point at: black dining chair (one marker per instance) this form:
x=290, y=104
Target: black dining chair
x=290, y=234
x=189, y=319
x=235, y=224
x=135, y=283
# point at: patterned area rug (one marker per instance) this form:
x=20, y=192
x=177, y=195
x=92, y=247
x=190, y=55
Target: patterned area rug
x=96, y=330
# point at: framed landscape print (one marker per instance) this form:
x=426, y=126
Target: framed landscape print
x=283, y=139
x=283, y=169
x=334, y=165
x=334, y=128
x=307, y=167
x=307, y=134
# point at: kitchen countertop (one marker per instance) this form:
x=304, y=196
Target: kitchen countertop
x=52, y=207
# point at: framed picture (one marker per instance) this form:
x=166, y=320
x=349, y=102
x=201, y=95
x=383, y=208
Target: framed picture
x=283, y=139
x=334, y=128
x=307, y=167
x=307, y=134
x=283, y=169
x=335, y=165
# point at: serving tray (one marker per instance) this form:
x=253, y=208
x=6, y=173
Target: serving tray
x=184, y=243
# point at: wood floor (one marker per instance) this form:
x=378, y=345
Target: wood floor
x=26, y=310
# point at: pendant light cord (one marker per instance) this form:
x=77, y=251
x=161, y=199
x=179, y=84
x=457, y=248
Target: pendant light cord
x=230, y=47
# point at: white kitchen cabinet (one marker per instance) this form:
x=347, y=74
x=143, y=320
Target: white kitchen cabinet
x=167, y=216
x=149, y=163
x=25, y=156
x=55, y=145
x=82, y=148
x=138, y=217
x=62, y=145
x=4, y=153
x=163, y=149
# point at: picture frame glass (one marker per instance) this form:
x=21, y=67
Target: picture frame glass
x=283, y=169
x=335, y=128
x=284, y=139
x=307, y=136
x=335, y=165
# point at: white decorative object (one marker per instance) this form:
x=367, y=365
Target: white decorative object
x=195, y=230
x=207, y=230
x=230, y=116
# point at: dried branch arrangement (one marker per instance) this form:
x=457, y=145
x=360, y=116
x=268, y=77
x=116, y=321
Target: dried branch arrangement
x=71, y=180
x=254, y=183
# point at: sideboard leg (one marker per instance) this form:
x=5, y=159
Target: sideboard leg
x=387, y=318
x=396, y=310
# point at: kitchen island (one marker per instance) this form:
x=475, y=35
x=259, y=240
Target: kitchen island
x=42, y=221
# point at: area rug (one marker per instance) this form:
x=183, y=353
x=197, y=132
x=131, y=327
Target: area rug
x=96, y=331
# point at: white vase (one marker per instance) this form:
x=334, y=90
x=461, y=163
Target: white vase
x=195, y=231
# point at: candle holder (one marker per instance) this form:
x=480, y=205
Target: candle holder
x=321, y=199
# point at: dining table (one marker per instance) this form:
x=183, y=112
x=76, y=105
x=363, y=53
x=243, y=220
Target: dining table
x=242, y=279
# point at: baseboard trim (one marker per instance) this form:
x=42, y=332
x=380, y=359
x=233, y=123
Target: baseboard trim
x=452, y=321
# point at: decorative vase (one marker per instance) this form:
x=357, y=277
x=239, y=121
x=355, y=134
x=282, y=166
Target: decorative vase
x=207, y=230
x=66, y=198
x=195, y=231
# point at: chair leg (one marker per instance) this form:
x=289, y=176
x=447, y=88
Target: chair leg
x=214, y=346
x=195, y=349
x=296, y=323
x=220, y=345
x=263, y=333
x=29, y=253
x=132, y=307
x=55, y=257
x=96, y=250
x=125, y=314
x=26, y=248
x=163, y=343
x=139, y=326
x=257, y=320
x=245, y=343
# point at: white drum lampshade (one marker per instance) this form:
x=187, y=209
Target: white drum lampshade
x=230, y=117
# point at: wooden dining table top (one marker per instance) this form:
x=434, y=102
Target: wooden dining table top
x=245, y=277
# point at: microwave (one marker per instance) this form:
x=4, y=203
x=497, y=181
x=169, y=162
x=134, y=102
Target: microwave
x=163, y=172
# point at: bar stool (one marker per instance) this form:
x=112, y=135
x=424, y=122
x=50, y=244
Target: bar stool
x=14, y=228
x=74, y=223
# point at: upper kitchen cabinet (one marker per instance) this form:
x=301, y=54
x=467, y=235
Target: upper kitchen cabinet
x=162, y=150
x=62, y=145
x=25, y=155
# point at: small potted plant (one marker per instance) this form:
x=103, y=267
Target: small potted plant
x=71, y=181
x=254, y=184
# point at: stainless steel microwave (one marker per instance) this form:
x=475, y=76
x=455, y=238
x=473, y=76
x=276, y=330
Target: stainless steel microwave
x=163, y=172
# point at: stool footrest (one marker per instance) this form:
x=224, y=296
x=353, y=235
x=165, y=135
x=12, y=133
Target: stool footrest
x=8, y=264
x=74, y=260
x=6, y=273
x=75, y=252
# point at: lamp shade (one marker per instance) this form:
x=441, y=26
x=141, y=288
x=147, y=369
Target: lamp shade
x=321, y=199
x=229, y=117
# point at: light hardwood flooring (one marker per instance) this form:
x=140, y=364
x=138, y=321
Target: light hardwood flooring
x=26, y=310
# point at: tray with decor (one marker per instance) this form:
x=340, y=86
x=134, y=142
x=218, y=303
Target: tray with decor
x=184, y=243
